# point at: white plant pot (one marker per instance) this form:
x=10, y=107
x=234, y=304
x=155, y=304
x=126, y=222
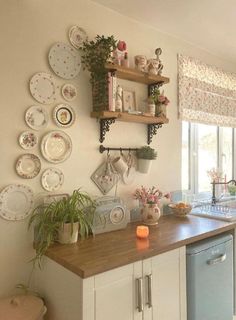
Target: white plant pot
x=144, y=165
x=65, y=235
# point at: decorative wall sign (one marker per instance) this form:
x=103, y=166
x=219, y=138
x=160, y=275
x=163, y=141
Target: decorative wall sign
x=69, y=92
x=36, y=118
x=28, y=140
x=43, y=88
x=64, y=115
x=64, y=60
x=56, y=146
x=28, y=166
x=77, y=36
x=16, y=202
x=52, y=179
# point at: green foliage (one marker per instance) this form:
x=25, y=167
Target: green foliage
x=146, y=152
x=48, y=219
x=94, y=57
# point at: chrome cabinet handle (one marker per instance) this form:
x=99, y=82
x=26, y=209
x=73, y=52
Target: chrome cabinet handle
x=139, y=283
x=220, y=259
x=149, y=290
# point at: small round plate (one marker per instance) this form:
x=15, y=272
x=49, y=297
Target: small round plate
x=16, y=202
x=36, y=118
x=43, y=88
x=63, y=115
x=69, y=92
x=64, y=60
x=56, y=146
x=28, y=140
x=77, y=36
x=52, y=179
x=28, y=166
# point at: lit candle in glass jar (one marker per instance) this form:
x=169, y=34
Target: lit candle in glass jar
x=142, y=232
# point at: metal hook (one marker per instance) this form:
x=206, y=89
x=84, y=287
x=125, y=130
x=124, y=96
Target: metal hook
x=108, y=151
x=121, y=152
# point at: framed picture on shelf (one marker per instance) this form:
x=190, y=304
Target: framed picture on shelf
x=129, y=100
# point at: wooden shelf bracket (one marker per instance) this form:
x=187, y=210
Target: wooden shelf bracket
x=105, y=127
x=152, y=131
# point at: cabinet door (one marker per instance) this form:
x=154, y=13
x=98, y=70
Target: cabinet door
x=115, y=295
x=168, y=286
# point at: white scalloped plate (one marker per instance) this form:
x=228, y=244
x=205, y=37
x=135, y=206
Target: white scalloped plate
x=28, y=166
x=36, y=118
x=64, y=60
x=43, y=88
x=77, y=36
x=63, y=115
x=52, y=179
x=56, y=146
x=28, y=140
x=16, y=202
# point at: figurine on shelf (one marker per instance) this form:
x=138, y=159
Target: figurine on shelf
x=158, y=52
x=119, y=103
x=125, y=61
x=154, y=66
x=119, y=52
x=140, y=62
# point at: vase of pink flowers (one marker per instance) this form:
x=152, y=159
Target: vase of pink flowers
x=149, y=200
x=161, y=102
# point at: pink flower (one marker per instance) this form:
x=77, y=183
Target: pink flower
x=161, y=98
x=121, y=45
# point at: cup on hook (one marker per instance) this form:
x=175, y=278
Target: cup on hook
x=120, y=164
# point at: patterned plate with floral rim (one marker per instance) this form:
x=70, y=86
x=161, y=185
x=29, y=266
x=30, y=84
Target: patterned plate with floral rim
x=28, y=140
x=52, y=179
x=69, y=92
x=36, y=118
x=16, y=202
x=43, y=88
x=77, y=36
x=64, y=115
x=28, y=166
x=64, y=60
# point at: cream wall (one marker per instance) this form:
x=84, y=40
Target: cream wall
x=27, y=30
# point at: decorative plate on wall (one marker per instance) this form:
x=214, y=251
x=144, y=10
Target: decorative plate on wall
x=56, y=146
x=16, y=202
x=43, y=88
x=28, y=166
x=77, y=36
x=36, y=118
x=52, y=179
x=69, y=92
x=64, y=60
x=28, y=140
x=64, y=115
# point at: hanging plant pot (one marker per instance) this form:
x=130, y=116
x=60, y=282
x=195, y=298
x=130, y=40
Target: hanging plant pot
x=68, y=233
x=144, y=165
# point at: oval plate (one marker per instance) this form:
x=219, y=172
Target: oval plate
x=77, y=36
x=64, y=115
x=52, y=179
x=28, y=166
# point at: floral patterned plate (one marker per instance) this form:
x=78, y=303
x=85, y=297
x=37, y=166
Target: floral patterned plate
x=64, y=60
x=69, y=92
x=56, y=146
x=28, y=140
x=52, y=179
x=77, y=36
x=36, y=117
x=64, y=115
x=43, y=88
x=28, y=166
x=16, y=202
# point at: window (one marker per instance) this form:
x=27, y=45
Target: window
x=205, y=147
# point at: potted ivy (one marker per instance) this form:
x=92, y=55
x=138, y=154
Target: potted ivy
x=62, y=221
x=95, y=54
x=145, y=155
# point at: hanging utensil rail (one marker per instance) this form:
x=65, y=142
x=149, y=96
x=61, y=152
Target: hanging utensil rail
x=103, y=149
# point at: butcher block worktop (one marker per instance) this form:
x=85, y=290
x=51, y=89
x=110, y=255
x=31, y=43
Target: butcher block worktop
x=114, y=249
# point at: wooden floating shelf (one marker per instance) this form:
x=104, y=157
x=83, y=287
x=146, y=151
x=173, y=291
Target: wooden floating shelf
x=123, y=116
x=136, y=75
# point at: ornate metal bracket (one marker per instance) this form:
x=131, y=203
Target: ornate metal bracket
x=105, y=127
x=152, y=131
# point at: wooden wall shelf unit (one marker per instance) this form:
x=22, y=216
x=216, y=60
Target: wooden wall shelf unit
x=106, y=118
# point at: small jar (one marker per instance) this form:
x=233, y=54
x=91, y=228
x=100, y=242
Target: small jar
x=152, y=109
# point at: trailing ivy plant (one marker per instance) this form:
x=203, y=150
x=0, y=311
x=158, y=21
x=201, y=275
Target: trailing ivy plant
x=95, y=54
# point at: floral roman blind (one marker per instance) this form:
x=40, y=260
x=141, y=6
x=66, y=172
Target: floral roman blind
x=206, y=93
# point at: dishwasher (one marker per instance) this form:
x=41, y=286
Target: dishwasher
x=210, y=279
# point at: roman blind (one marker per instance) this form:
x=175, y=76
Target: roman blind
x=207, y=94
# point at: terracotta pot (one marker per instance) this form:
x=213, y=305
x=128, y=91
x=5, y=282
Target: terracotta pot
x=67, y=234
x=150, y=214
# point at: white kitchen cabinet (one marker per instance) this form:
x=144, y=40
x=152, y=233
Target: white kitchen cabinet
x=157, y=285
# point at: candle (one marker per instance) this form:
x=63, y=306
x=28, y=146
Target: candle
x=142, y=232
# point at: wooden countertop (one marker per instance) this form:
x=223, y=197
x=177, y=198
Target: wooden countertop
x=114, y=249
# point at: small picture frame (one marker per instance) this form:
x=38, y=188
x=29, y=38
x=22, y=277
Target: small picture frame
x=129, y=101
